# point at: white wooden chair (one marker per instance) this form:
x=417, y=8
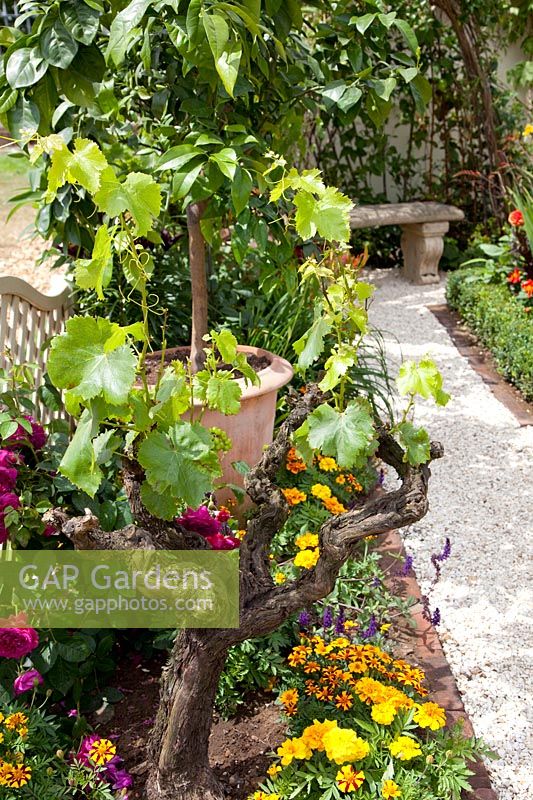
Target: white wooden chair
x=28, y=319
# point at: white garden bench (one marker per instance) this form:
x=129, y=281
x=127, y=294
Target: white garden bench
x=423, y=227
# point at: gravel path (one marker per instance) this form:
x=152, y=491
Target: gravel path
x=480, y=496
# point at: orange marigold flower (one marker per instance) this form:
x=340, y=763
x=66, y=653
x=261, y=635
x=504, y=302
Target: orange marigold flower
x=516, y=218
x=294, y=496
x=102, y=751
x=17, y=776
x=294, y=463
x=334, y=506
x=348, y=779
x=344, y=701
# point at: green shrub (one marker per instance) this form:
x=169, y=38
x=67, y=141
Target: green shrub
x=500, y=322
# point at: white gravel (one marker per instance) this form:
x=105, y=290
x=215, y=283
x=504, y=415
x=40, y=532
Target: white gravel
x=480, y=496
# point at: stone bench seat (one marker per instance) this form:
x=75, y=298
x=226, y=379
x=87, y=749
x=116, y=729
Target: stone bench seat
x=423, y=227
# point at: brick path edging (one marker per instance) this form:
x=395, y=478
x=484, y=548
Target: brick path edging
x=428, y=653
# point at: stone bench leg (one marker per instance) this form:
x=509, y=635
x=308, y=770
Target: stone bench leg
x=422, y=248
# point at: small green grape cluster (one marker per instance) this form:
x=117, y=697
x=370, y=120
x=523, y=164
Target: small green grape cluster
x=221, y=441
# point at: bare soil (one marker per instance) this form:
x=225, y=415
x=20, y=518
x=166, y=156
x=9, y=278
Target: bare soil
x=153, y=362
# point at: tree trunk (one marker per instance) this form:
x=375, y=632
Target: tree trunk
x=197, y=265
x=180, y=739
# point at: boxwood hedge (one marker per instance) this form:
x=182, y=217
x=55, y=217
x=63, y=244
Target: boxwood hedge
x=499, y=321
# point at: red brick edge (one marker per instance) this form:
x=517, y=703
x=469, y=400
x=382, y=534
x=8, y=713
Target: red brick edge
x=428, y=653
x=483, y=363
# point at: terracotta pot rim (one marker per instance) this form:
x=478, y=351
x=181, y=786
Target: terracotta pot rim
x=278, y=373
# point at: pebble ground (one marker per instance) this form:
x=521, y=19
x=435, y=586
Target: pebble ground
x=480, y=496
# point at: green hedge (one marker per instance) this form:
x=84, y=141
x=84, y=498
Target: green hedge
x=499, y=321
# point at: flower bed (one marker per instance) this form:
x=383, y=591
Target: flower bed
x=499, y=320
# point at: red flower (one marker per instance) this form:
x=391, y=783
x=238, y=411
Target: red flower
x=527, y=287
x=516, y=218
x=515, y=276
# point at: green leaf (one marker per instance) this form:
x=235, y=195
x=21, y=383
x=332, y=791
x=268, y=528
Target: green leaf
x=23, y=119
x=78, y=361
x=226, y=161
x=416, y=443
x=57, y=46
x=8, y=98
x=176, y=157
x=309, y=347
x=25, y=67
x=79, y=463
x=158, y=504
x=227, y=67
x=184, y=180
x=96, y=272
x=121, y=335
x=217, y=32
x=241, y=189
x=192, y=21
x=364, y=22
x=329, y=215
x=84, y=165
x=76, y=649
x=422, y=92
x=173, y=397
x=121, y=29
x=336, y=366
x=423, y=379
x=347, y=436
x=170, y=462
x=226, y=343
x=80, y=20
x=80, y=82
x=349, y=98
x=223, y=394
x=139, y=194
x=408, y=34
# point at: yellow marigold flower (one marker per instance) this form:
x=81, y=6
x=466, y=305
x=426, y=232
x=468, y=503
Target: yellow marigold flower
x=306, y=540
x=15, y=720
x=289, y=700
x=333, y=506
x=405, y=748
x=348, y=780
x=383, y=713
x=340, y=479
x=307, y=558
x=240, y=534
x=314, y=734
x=327, y=464
x=368, y=690
x=385, y=627
x=390, y=789
x=17, y=776
x=102, y=751
x=430, y=715
x=299, y=655
x=1, y=717
x=259, y=795
x=293, y=749
x=280, y=578
x=343, y=744
x=23, y=731
x=528, y=131
x=294, y=496
x=5, y=768
x=349, y=624
x=273, y=770
x=321, y=491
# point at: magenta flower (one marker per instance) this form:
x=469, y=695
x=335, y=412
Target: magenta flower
x=73, y=712
x=200, y=521
x=27, y=681
x=119, y=778
x=219, y=542
x=85, y=747
x=17, y=642
x=37, y=437
x=50, y=531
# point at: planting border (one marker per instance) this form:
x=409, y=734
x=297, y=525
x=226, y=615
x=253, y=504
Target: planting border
x=483, y=363
x=428, y=653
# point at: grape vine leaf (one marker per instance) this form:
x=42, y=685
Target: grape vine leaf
x=223, y=393
x=416, y=443
x=159, y=504
x=423, y=379
x=348, y=436
x=79, y=463
x=170, y=461
x=336, y=366
x=84, y=165
x=96, y=272
x=79, y=362
x=311, y=344
x=139, y=194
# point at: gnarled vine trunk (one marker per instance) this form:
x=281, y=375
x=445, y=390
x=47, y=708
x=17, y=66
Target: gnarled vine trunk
x=180, y=738
x=178, y=752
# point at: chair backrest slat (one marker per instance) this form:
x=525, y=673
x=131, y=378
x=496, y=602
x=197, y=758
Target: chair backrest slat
x=27, y=320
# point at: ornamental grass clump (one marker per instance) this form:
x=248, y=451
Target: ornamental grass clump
x=359, y=721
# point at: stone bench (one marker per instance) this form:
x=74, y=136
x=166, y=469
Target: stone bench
x=423, y=227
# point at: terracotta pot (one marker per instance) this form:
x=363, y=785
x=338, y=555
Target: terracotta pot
x=253, y=427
